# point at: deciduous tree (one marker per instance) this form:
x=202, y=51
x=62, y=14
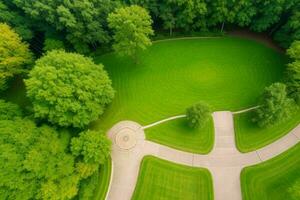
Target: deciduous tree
x=275, y=106
x=132, y=28
x=34, y=163
x=93, y=148
x=68, y=89
x=15, y=56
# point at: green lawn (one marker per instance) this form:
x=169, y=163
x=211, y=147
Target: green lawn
x=250, y=137
x=164, y=180
x=228, y=73
x=103, y=181
x=272, y=179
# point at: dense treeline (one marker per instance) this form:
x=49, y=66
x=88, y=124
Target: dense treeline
x=83, y=24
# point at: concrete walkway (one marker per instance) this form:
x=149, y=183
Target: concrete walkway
x=225, y=162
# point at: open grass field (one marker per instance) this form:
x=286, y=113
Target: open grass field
x=272, y=179
x=228, y=73
x=164, y=180
x=250, y=137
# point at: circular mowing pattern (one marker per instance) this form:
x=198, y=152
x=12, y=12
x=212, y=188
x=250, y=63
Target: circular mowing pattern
x=126, y=138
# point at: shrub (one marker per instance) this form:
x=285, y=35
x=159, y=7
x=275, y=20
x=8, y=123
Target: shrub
x=198, y=115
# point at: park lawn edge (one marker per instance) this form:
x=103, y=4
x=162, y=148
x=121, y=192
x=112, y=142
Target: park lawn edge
x=206, y=150
x=240, y=143
x=104, y=180
x=247, y=172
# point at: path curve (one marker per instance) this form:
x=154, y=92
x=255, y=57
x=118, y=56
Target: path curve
x=225, y=162
x=163, y=121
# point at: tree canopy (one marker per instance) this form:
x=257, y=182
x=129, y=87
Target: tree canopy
x=132, y=28
x=15, y=56
x=9, y=111
x=93, y=148
x=293, y=71
x=34, y=163
x=68, y=89
x=83, y=21
x=275, y=106
x=198, y=115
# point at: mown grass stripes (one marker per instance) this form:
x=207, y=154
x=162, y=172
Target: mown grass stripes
x=163, y=180
x=272, y=179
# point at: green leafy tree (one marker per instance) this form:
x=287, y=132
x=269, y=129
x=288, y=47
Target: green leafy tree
x=290, y=30
x=15, y=56
x=94, y=148
x=34, y=164
x=14, y=17
x=9, y=111
x=294, y=50
x=293, y=72
x=52, y=44
x=132, y=28
x=83, y=22
x=198, y=115
x=275, y=106
x=68, y=89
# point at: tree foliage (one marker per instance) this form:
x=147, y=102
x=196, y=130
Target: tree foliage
x=93, y=148
x=83, y=22
x=293, y=71
x=275, y=106
x=15, y=56
x=15, y=18
x=53, y=44
x=198, y=115
x=9, y=111
x=132, y=28
x=68, y=89
x=34, y=163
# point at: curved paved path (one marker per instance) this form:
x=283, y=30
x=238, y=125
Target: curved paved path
x=225, y=162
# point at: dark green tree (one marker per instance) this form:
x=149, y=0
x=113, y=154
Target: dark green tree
x=293, y=72
x=68, y=89
x=83, y=22
x=14, y=17
x=275, y=106
x=198, y=115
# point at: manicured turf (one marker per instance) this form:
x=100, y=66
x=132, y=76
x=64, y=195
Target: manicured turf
x=164, y=180
x=228, y=73
x=103, y=181
x=183, y=137
x=272, y=179
x=250, y=137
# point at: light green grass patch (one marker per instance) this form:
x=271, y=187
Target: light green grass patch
x=164, y=180
x=183, y=137
x=272, y=179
